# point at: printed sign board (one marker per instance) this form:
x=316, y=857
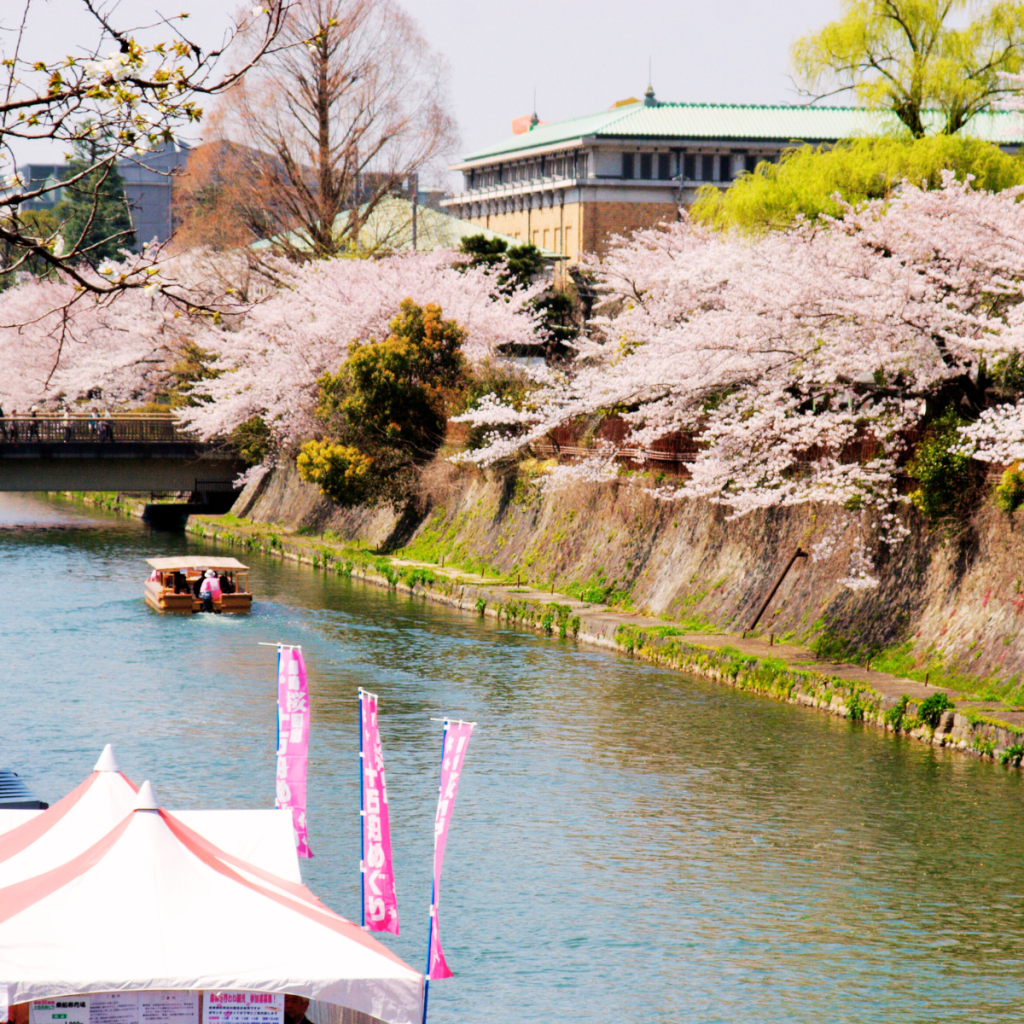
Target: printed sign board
x=168, y=1008
x=243, y=1008
x=114, y=1008
x=70, y=1010
x=164, y=1007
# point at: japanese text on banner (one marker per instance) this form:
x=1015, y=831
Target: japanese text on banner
x=243, y=1008
x=456, y=743
x=378, y=870
x=293, y=740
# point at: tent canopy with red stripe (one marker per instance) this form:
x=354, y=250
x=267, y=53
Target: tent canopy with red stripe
x=154, y=905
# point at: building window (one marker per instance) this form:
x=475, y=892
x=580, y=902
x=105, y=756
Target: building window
x=707, y=167
x=568, y=241
x=690, y=167
x=645, y=166
x=725, y=167
x=664, y=170
x=627, y=165
x=558, y=239
x=751, y=162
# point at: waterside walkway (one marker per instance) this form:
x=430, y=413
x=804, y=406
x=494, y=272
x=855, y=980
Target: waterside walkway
x=784, y=671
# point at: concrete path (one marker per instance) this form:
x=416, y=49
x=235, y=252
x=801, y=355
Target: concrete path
x=600, y=619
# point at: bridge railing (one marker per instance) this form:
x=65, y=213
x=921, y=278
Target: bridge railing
x=97, y=430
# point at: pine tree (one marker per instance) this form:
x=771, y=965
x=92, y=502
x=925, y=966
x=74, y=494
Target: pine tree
x=95, y=208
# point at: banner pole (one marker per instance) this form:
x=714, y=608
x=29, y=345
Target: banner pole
x=433, y=886
x=277, y=701
x=362, y=822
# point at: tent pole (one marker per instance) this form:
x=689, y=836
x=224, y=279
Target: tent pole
x=433, y=885
x=362, y=822
x=277, y=717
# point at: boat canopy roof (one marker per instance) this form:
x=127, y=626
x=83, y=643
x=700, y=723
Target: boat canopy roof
x=196, y=562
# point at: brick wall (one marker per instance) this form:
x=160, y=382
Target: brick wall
x=602, y=220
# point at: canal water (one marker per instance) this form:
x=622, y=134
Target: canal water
x=629, y=845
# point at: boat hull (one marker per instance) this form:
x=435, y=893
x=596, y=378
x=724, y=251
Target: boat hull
x=163, y=600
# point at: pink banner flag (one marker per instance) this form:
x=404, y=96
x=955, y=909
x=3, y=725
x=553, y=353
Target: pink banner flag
x=456, y=742
x=293, y=740
x=380, y=905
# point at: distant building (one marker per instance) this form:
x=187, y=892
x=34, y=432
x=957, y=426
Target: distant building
x=569, y=185
x=147, y=185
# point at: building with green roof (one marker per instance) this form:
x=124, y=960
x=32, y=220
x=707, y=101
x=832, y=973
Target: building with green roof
x=570, y=185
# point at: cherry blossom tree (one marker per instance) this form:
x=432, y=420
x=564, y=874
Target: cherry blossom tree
x=273, y=355
x=67, y=346
x=279, y=327
x=802, y=361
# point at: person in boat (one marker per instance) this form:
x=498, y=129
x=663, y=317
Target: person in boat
x=209, y=591
x=226, y=586
x=295, y=1008
x=154, y=576
x=181, y=583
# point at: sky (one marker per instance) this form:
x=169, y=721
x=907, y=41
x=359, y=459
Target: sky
x=580, y=56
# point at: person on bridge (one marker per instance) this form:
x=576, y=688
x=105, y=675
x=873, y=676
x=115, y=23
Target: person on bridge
x=3, y=424
x=33, y=426
x=14, y=425
x=210, y=590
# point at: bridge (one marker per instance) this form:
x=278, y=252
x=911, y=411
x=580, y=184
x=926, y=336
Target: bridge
x=110, y=453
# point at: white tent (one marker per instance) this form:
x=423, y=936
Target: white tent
x=32, y=842
x=52, y=837
x=152, y=905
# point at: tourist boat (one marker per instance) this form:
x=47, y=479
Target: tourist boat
x=174, y=583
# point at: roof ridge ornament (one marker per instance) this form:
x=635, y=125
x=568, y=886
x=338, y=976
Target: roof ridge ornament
x=146, y=800
x=107, y=761
x=649, y=100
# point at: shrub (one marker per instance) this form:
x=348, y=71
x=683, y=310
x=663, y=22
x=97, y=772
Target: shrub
x=342, y=472
x=1010, y=491
x=895, y=715
x=854, y=708
x=1012, y=755
x=931, y=708
x=252, y=440
x=942, y=470
x=385, y=411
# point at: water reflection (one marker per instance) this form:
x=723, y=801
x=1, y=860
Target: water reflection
x=630, y=845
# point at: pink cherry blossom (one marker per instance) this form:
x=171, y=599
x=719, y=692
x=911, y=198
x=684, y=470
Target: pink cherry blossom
x=781, y=353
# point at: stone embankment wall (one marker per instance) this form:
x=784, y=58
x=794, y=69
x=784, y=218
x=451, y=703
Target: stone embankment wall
x=955, y=603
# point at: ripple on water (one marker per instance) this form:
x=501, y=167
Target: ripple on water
x=630, y=845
